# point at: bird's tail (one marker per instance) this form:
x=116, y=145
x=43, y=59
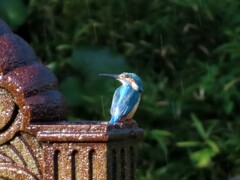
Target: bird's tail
x=113, y=120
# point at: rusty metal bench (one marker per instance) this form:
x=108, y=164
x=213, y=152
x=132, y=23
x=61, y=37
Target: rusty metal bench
x=36, y=142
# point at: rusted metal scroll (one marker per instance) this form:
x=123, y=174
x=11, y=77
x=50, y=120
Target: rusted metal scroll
x=35, y=141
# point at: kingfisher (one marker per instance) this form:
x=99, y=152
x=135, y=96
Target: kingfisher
x=126, y=98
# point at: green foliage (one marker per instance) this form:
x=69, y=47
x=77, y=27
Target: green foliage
x=13, y=12
x=187, y=53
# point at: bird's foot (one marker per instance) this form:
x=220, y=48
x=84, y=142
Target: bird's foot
x=125, y=123
x=122, y=123
x=130, y=121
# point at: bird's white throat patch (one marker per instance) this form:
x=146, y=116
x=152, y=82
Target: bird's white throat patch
x=134, y=85
x=123, y=82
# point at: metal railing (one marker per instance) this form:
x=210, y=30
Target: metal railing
x=36, y=142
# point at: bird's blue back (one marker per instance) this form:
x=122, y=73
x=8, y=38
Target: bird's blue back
x=124, y=100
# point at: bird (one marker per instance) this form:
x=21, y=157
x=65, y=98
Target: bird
x=126, y=98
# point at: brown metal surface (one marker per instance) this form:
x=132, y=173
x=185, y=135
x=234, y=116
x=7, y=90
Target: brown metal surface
x=33, y=86
x=97, y=151
x=35, y=142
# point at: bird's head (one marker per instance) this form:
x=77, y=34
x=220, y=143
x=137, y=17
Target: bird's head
x=130, y=79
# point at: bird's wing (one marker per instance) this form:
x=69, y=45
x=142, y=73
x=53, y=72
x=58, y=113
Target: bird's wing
x=115, y=100
x=129, y=102
x=124, y=101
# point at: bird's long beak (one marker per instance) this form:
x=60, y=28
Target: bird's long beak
x=115, y=76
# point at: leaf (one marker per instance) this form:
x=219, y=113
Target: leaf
x=160, y=133
x=228, y=106
x=203, y=157
x=189, y=144
x=14, y=12
x=159, y=136
x=198, y=125
x=213, y=146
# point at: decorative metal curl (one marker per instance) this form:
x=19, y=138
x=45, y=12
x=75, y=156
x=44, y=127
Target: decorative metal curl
x=28, y=90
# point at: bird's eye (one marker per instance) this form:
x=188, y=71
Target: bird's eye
x=126, y=76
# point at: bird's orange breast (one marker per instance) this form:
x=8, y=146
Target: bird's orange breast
x=131, y=114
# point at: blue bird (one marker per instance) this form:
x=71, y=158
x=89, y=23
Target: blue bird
x=126, y=98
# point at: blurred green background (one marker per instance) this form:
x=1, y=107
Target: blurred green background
x=187, y=53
